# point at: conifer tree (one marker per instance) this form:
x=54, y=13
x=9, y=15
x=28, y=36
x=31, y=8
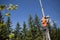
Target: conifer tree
x=3, y=28
x=58, y=34
x=31, y=27
x=1, y=18
x=37, y=27
x=24, y=31
x=9, y=25
x=17, y=31
x=54, y=31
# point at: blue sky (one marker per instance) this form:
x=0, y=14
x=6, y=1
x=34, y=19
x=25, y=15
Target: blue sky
x=26, y=7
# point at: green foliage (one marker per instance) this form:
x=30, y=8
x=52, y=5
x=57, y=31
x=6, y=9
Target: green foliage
x=37, y=26
x=17, y=31
x=3, y=29
x=2, y=7
x=24, y=31
x=32, y=31
x=8, y=24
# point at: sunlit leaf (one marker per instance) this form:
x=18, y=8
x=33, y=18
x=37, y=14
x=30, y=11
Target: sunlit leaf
x=7, y=14
x=2, y=7
x=11, y=5
x=14, y=7
x=11, y=35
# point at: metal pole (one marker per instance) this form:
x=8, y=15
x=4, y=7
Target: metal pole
x=43, y=15
x=42, y=8
x=47, y=34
